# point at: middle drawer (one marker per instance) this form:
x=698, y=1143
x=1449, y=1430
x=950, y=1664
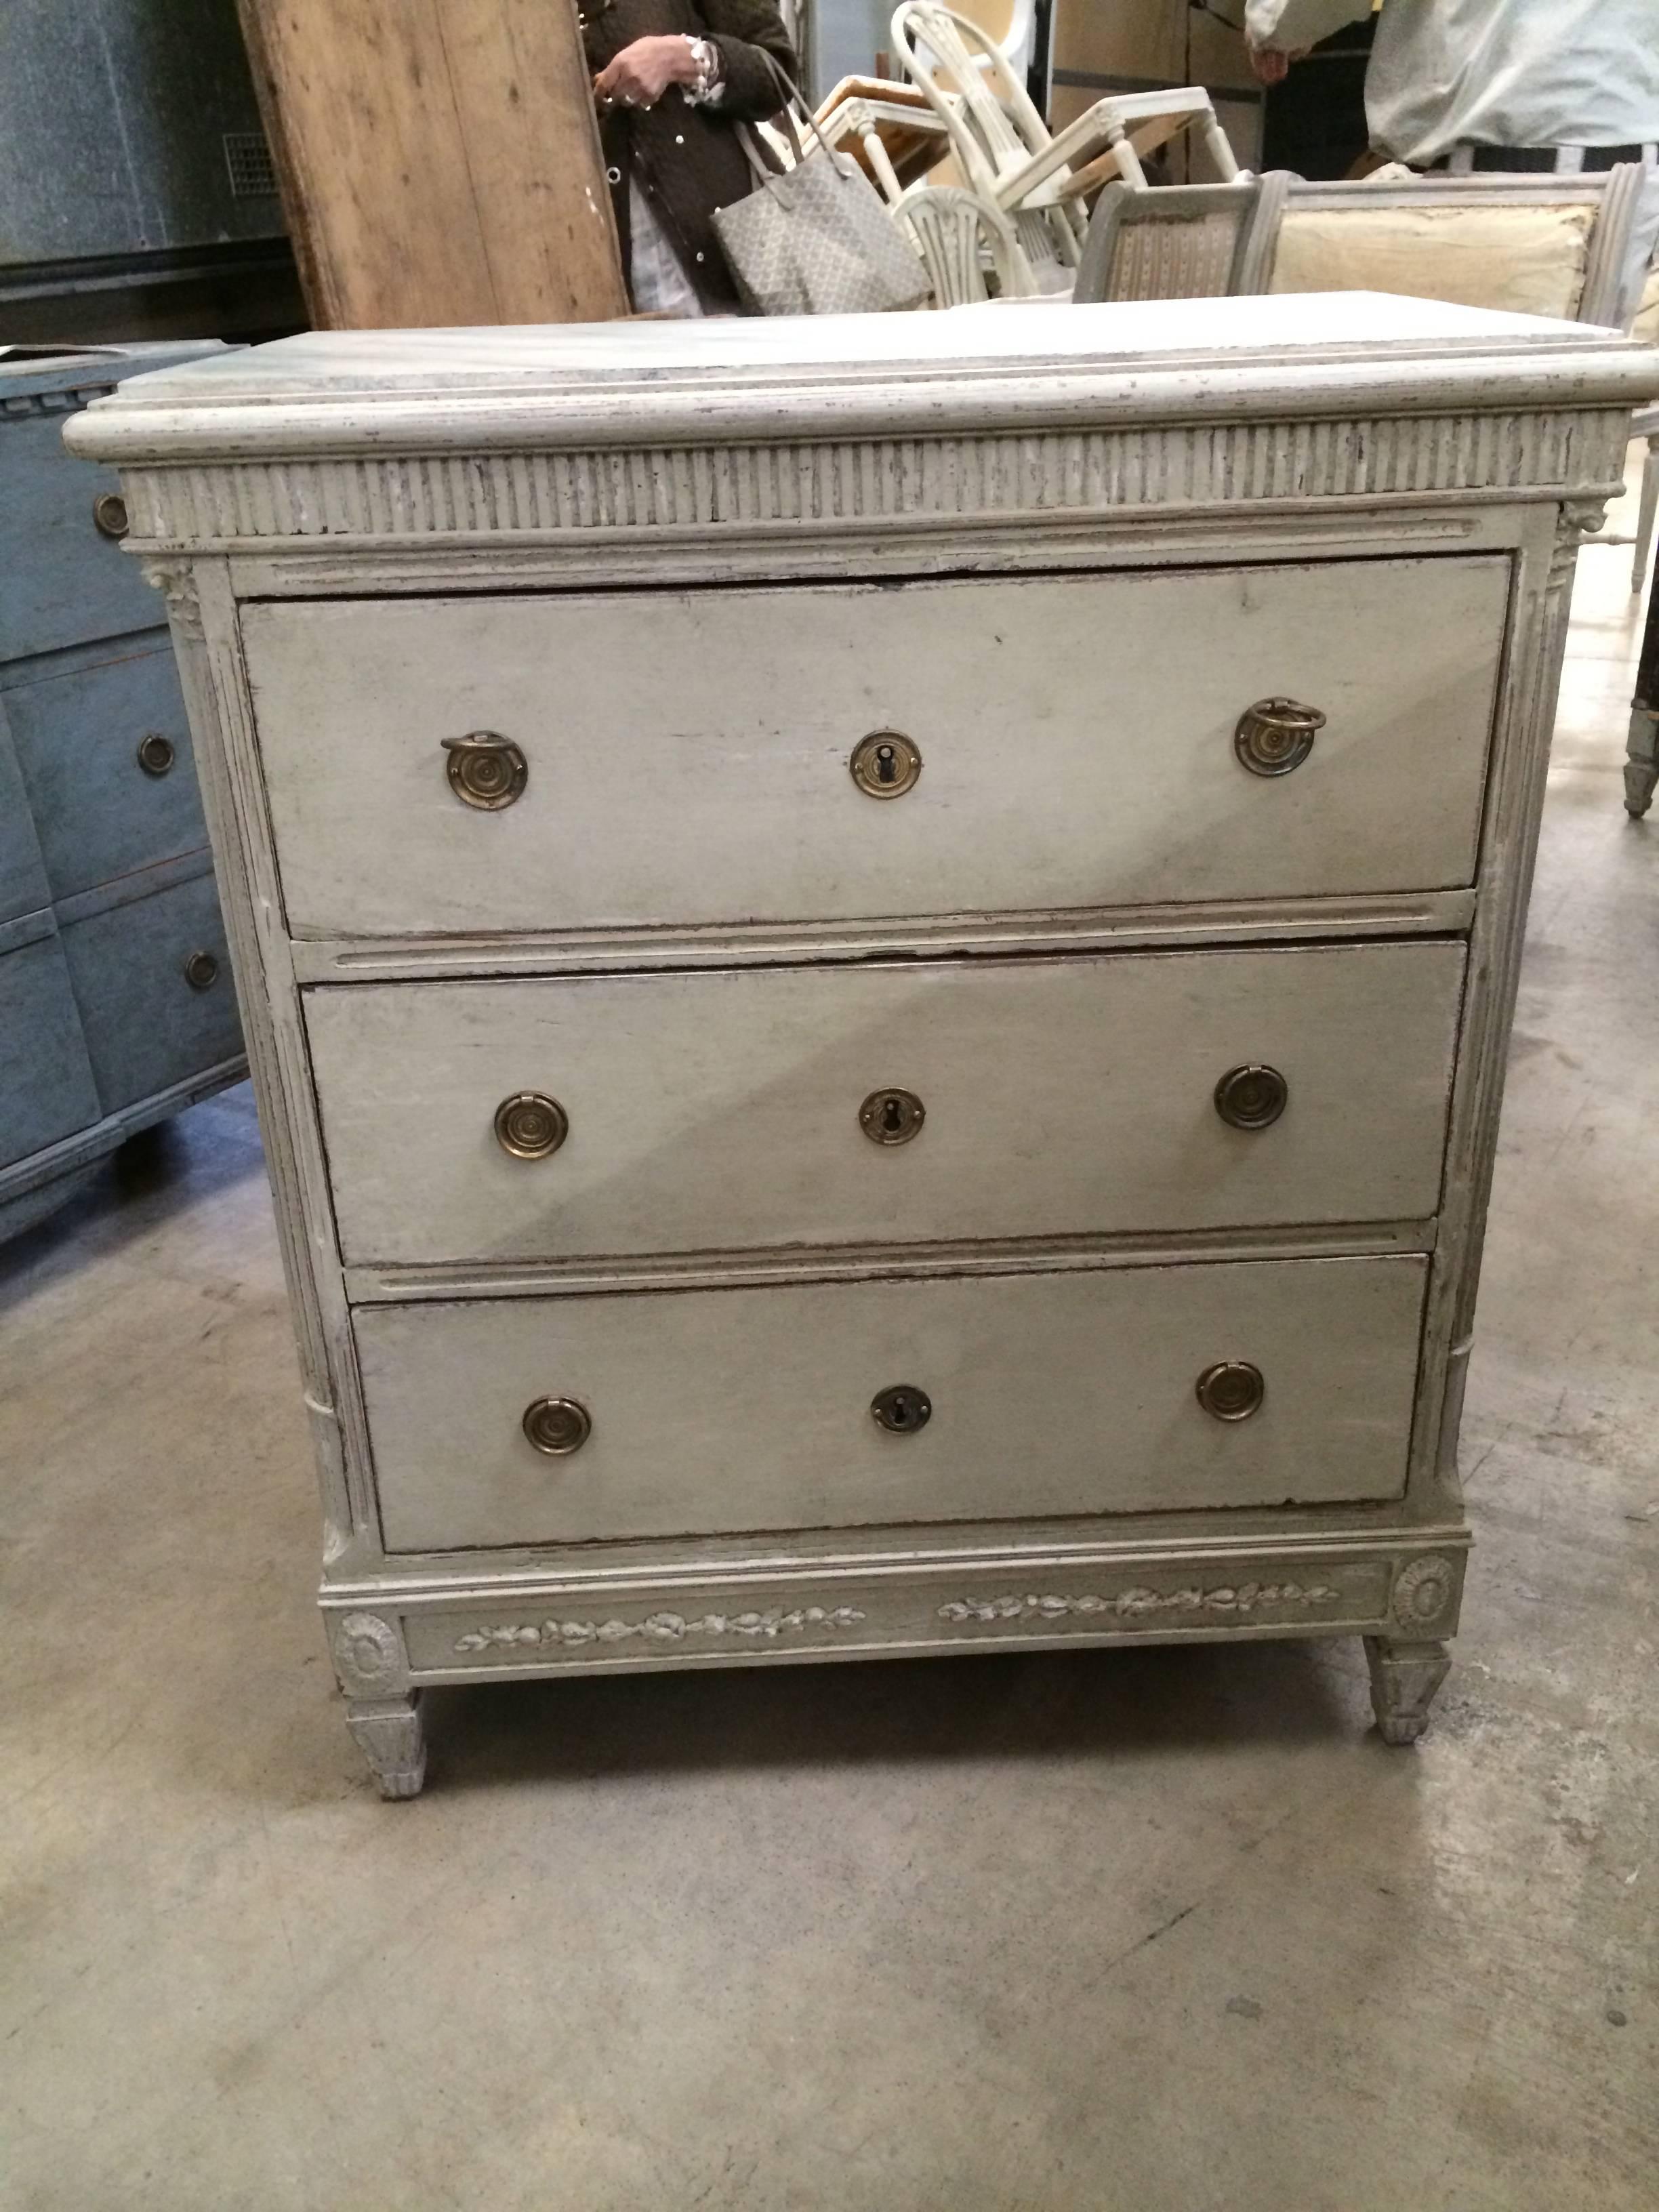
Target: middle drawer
x=759, y=1108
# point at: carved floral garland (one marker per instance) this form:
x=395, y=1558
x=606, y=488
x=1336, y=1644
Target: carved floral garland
x=1244, y=1597
x=659, y=1628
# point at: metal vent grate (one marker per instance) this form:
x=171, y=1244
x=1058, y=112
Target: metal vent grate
x=247, y=157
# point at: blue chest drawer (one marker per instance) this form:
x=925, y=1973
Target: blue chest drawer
x=116, y=1005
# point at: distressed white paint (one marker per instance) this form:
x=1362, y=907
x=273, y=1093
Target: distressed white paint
x=1379, y=496
x=720, y=1109
x=688, y=751
x=728, y=1410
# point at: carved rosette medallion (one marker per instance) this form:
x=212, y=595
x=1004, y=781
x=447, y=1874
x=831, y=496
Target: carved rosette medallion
x=1422, y=1591
x=367, y=1649
x=176, y=581
x=1579, y=519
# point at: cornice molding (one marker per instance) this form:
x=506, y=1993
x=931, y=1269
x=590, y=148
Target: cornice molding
x=886, y=484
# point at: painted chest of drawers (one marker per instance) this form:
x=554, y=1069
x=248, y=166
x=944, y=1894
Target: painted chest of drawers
x=116, y=1006
x=879, y=955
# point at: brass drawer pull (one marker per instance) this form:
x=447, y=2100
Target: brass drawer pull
x=1231, y=1390
x=486, y=770
x=891, y=1117
x=530, y=1125
x=885, y=764
x=109, y=514
x=1276, y=735
x=155, y=754
x=557, y=1426
x=201, y=971
x=1252, y=1096
x=902, y=1409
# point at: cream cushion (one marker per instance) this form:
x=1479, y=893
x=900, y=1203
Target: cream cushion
x=1529, y=259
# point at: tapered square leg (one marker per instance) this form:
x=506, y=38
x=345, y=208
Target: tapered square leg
x=1404, y=1678
x=391, y=1733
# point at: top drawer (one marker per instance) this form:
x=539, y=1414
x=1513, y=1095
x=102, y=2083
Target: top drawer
x=686, y=754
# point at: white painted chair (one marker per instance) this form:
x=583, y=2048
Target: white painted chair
x=1005, y=150
x=966, y=247
x=1541, y=244
x=1181, y=241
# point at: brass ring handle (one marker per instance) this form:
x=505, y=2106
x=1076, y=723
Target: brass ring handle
x=557, y=1426
x=1276, y=735
x=155, y=754
x=885, y=764
x=902, y=1409
x=201, y=971
x=891, y=1117
x=109, y=514
x=1252, y=1096
x=485, y=769
x=1231, y=1390
x=530, y=1125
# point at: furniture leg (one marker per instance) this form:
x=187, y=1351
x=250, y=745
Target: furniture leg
x=1646, y=513
x=1220, y=148
x=391, y=1733
x=1642, y=745
x=1404, y=1678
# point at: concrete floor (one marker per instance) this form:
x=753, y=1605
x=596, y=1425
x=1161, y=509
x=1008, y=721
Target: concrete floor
x=1164, y=1929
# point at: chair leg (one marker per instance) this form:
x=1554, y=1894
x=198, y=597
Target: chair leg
x=1221, y=152
x=1128, y=160
x=1646, y=514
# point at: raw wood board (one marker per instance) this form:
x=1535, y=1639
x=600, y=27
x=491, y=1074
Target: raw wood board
x=440, y=160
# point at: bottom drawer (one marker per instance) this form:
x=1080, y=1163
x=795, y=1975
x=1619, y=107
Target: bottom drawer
x=45, y=1085
x=715, y=1412
x=152, y=977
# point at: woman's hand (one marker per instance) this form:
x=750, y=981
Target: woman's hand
x=641, y=73
x=1271, y=63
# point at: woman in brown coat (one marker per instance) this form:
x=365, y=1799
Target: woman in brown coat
x=672, y=78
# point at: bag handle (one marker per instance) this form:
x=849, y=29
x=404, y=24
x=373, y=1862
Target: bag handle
x=790, y=98
x=793, y=98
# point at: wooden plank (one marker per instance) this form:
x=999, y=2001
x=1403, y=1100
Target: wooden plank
x=440, y=161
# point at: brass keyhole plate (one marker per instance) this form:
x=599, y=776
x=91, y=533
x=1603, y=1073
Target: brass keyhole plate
x=902, y=1409
x=156, y=753
x=201, y=971
x=557, y=1426
x=1231, y=1390
x=530, y=1125
x=486, y=770
x=1252, y=1096
x=885, y=764
x=891, y=1117
x=1276, y=735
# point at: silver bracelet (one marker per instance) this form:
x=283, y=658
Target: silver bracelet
x=710, y=83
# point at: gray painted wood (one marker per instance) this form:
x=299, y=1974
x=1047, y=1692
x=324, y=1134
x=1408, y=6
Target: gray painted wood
x=85, y=674
x=1061, y=1097
x=146, y=1027
x=467, y=498
x=47, y=1087
x=23, y=886
x=77, y=728
x=731, y=1410
x=1076, y=734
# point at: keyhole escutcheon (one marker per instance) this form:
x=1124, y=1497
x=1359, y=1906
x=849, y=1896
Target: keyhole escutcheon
x=891, y=1117
x=902, y=1409
x=885, y=764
